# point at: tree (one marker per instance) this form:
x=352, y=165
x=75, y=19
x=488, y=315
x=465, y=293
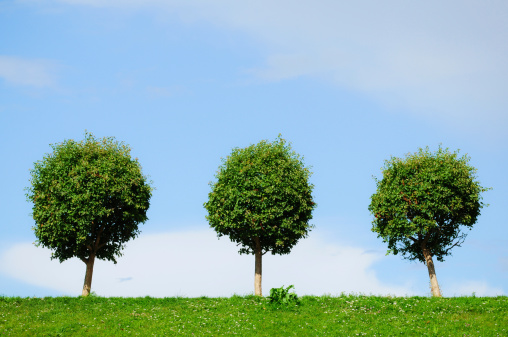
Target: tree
x=88, y=199
x=262, y=200
x=422, y=204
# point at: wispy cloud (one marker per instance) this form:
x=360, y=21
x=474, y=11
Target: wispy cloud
x=478, y=288
x=196, y=263
x=28, y=72
x=435, y=59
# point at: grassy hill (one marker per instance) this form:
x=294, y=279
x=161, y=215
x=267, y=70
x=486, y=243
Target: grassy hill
x=346, y=315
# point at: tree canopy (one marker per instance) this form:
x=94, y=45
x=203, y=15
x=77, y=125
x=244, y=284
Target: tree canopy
x=423, y=203
x=88, y=199
x=262, y=199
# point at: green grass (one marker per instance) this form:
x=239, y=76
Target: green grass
x=253, y=316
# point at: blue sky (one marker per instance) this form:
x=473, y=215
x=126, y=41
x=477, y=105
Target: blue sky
x=349, y=84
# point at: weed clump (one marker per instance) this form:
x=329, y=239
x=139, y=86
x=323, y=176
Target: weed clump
x=282, y=297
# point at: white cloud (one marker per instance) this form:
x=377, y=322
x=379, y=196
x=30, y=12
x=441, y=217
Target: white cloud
x=196, y=263
x=19, y=71
x=433, y=58
x=479, y=288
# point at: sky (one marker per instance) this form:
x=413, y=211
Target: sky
x=349, y=84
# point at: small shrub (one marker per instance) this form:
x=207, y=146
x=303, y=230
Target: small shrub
x=281, y=296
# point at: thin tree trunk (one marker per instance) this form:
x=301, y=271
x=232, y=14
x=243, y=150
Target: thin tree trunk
x=87, y=285
x=436, y=292
x=258, y=270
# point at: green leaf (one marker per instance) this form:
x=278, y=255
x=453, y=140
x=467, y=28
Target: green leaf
x=426, y=197
x=262, y=191
x=88, y=197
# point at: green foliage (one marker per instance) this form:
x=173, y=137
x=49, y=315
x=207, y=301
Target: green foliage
x=251, y=316
x=426, y=198
x=282, y=296
x=88, y=197
x=262, y=191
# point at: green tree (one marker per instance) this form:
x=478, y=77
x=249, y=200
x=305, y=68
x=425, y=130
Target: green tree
x=88, y=199
x=423, y=202
x=262, y=200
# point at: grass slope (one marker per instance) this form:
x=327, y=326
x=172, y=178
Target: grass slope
x=346, y=315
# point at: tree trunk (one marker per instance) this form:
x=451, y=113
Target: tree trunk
x=436, y=292
x=257, y=276
x=87, y=285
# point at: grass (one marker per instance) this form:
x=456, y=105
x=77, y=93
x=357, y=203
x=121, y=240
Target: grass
x=346, y=315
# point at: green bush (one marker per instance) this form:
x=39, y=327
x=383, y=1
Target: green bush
x=281, y=296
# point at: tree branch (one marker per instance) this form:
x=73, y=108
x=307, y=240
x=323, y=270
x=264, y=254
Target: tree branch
x=456, y=244
x=425, y=238
x=97, y=245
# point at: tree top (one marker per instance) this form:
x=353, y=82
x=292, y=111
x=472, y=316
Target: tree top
x=262, y=191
